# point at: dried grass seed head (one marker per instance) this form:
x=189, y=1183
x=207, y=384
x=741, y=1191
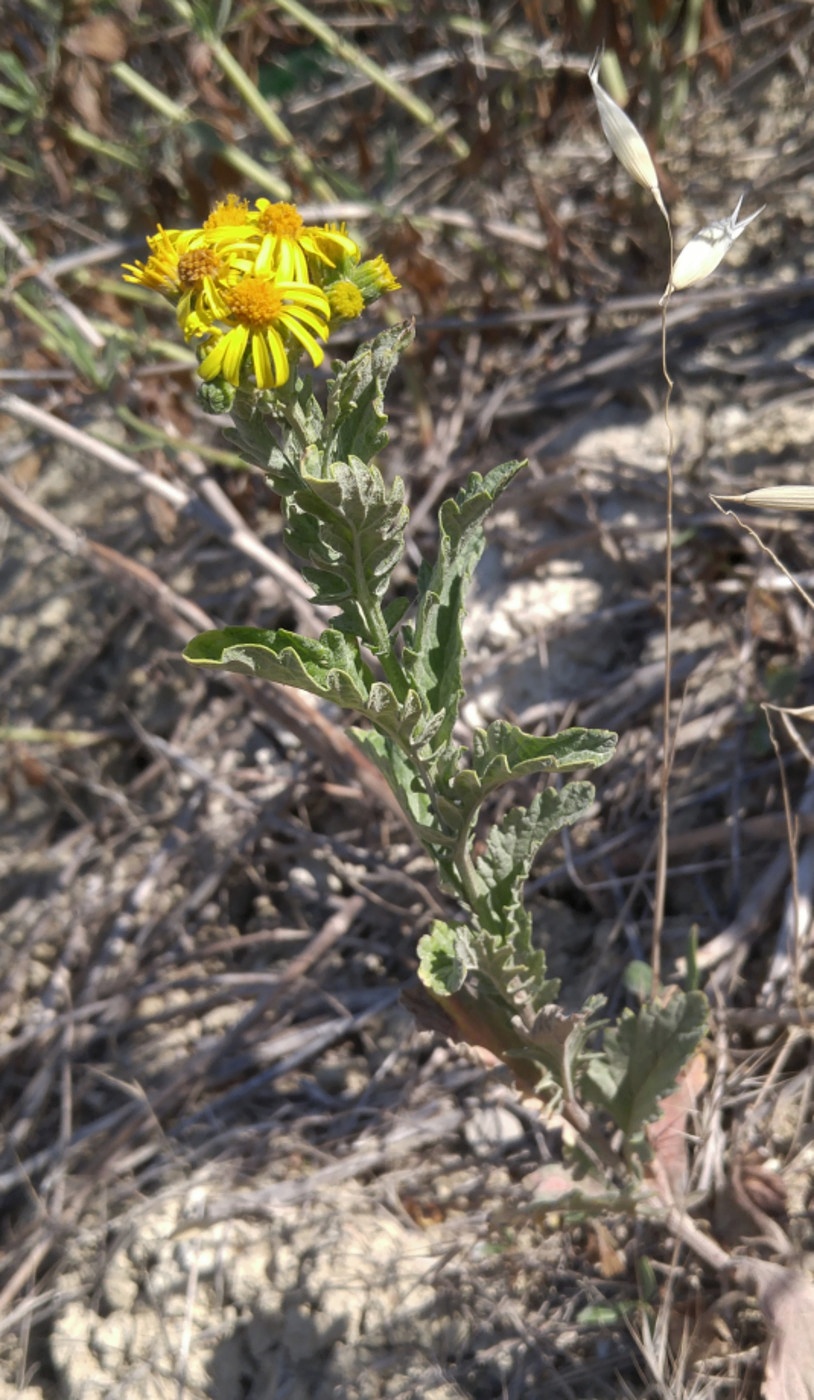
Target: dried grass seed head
x=707, y=248
x=627, y=144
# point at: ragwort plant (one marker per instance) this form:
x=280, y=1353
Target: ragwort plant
x=257, y=290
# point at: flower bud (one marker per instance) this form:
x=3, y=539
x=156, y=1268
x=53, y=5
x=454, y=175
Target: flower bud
x=345, y=300
x=358, y=285
x=627, y=144
x=706, y=249
x=216, y=396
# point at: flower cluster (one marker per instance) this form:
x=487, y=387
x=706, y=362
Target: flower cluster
x=258, y=286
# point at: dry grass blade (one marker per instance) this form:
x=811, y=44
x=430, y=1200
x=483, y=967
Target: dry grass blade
x=237, y=159
x=30, y=268
x=356, y=58
x=219, y=515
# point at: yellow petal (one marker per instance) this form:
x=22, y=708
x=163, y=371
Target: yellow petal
x=261, y=360
x=234, y=348
x=304, y=337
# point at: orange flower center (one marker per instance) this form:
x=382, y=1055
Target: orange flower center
x=281, y=219
x=229, y=212
x=254, y=302
x=197, y=264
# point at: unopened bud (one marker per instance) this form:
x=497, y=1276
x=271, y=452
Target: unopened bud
x=216, y=396
x=706, y=249
x=627, y=144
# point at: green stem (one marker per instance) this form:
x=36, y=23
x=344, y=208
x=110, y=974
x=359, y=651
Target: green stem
x=464, y=864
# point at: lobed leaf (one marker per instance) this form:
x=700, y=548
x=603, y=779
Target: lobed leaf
x=412, y=796
x=445, y=954
x=513, y=843
x=436, y=651
x=641, y=1057
x=330, y=667
x=558, y=1039
x=349, y=527
x=502, y=753
x=279, y=432
x=355, y=421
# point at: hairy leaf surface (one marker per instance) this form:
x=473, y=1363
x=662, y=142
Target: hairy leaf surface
x=330, y=667
x=435, y=655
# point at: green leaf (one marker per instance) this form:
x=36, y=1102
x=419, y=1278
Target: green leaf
x=299, y=68
x=331, y=667
x=513, y=843
x=23, y=95
x=557, y=1039
x=638, y=979
x=394, y=611
x=412, y=796
x=444, y=956
x=436, y=653
x=406, y=720
x=355, y=421
x=641, y=1058
x=349, y=527
x=280, y=432
x=608, y=1314
x=503, y=752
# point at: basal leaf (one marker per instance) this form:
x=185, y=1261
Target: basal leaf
x=445, y=955
x=642, y=1056
x=557, y=1039
x=330, y=667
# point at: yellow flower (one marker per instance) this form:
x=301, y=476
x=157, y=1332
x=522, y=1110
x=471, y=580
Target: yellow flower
x=275, y=238
x=160, y=272
x=188, y=274
x=262, y=314
x=374, y=278
x=204, y=278
x=287, y=242
x=358, y=286
x=259, y=286
x=230, y=212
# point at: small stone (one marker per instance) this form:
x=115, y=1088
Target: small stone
x=493, y=1129
x=120, y=1286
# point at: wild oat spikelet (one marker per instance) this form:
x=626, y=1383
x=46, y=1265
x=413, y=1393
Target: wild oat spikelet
x=627, y=144
x=706, y=249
